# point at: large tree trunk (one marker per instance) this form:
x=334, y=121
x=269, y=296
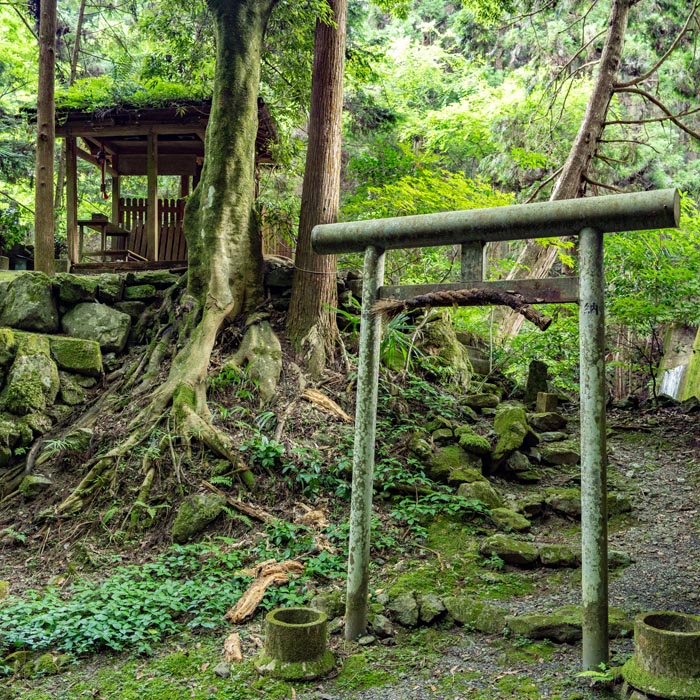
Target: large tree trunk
x=311, y=320
x=535, y=261
x=46, y=137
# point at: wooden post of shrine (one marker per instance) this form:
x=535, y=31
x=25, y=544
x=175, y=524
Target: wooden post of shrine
x=152, y=206
x=72, y=200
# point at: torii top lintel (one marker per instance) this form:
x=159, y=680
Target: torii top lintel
x=637, y=211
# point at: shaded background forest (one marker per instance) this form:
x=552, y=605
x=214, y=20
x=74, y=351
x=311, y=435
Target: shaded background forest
x=447, y=106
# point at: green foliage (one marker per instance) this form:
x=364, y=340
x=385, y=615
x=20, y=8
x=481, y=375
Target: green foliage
x=416, y=512
x=106, y=91
x=654, y=276
x=187, y=587
x=558, y=346
x=263, y=451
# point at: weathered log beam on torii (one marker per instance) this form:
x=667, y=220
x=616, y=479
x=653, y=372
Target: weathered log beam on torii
x=588, y=218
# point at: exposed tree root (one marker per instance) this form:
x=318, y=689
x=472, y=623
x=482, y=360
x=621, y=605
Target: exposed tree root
x=180, y=402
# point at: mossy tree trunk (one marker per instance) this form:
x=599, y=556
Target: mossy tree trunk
x=311, y=320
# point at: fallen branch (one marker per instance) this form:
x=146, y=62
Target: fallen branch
x=464, y=297
x=320, y=400
x=267, y=574
x=232, y=649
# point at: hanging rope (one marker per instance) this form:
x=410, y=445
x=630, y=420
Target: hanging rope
x=464, y=297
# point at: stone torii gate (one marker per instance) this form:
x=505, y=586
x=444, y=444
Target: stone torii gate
x=588, y=219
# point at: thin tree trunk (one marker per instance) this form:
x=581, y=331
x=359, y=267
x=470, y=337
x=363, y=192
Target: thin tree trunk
x=311, y=322
x=61, y=169
x=535, y=261
x=46, y=137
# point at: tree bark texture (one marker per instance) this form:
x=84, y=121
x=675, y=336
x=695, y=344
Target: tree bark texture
x=221, y=227
x=46, y=137
x=535, y=260
x=311, y=320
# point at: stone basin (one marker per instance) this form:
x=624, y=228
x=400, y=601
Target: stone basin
x=666, y=661
x=295, y=644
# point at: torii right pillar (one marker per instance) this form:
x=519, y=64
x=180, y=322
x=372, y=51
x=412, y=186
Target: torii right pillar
x=594, y=515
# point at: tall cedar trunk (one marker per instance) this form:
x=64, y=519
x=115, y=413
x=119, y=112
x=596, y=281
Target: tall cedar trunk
x=61, y=169
x=535, y=261
x=46, y=137
x=221, y=227
x=311, y=319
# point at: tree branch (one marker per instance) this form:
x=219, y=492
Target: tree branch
x=634, y=141
x=601, y=184
x=17, y=202
x=669, y=115
x=544, y=183
x=671, y=49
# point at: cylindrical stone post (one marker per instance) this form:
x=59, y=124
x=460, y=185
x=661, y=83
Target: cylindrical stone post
x=594, y=517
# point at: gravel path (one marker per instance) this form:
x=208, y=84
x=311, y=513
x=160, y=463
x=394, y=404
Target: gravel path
x=659, y=462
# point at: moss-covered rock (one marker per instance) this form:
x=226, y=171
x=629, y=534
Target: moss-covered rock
x=132, y=308
x=481, y=400
x=472, y=442
x=559, y=556
x=513, y=431
x=34, y=484
x=442, y=436
x=71, y=393
x=481, y=491
x=195, y=514
x=142, y=292
x=531, y=505
x=564, y=501
x=561, y=453
x=29, y=304
x=419, y=446
x=465, y=475
x=509, y=521
x=564, y=625
x=332, y=603
x=439, y=339
x=32, y=382
x=161, y=279
x=618, y=503
x=5, y=456
x=510, y=550
x=430, y=607
x=447, y=459
x=98, y=322
x=110, y=288
x=4, y=589
x=50, y=664
x=77, y=355
x=518, y=462
x=73, y=289
x=404, y=609
x=546, y=421
x=38, y=423
x=9, y=430
x=8, y=346
x=475, y=614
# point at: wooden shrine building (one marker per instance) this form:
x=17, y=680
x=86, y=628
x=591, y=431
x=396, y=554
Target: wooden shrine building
x=125, y=141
